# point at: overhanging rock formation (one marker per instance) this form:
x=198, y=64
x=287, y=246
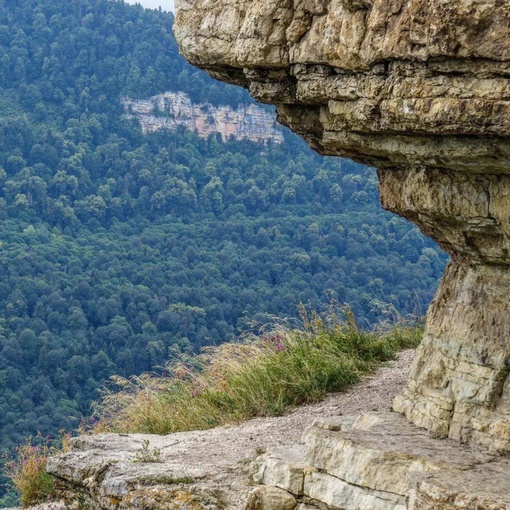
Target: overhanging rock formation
x=420, y=89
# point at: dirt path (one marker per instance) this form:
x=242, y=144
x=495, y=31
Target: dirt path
x=217, y=459
x=373, y=394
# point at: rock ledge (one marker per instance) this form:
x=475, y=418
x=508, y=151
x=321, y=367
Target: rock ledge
x=382, y=462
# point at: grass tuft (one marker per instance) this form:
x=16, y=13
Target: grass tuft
x=263, y=375
x=27, y=471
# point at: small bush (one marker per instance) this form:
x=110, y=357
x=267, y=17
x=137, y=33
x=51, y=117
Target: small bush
x=27, y=471
x=261, y=376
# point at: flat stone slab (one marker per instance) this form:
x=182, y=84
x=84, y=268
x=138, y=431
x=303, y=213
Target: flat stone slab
x=380, y=461
x=149, y=472
x=383, y=451
x=336, y=493
x=484, y=487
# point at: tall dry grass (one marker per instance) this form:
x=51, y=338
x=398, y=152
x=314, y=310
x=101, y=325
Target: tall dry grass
x=27, y=470
x=261, y=375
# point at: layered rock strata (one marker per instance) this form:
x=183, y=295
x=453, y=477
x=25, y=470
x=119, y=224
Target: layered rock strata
x=419, y=89
x=172, y=110
x=382, y=462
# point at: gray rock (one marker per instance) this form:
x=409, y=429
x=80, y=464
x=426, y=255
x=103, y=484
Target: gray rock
x=270, y=498
x=385, y=463
x=283, y=468
x=145, y=472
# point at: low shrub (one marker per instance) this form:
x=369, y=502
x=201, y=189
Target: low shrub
x=262, y=375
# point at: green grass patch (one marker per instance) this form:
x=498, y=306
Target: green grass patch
x=262, y=375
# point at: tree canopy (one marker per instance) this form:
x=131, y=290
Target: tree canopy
x=118, y=249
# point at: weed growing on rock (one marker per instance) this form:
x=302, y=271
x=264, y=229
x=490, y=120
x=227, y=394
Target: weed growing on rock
x=148, y=454
x=262, y=375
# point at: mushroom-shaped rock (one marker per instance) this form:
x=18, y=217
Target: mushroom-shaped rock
x=419, y=89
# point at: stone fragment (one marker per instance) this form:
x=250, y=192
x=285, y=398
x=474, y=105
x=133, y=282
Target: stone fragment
x=383, y=452
x=270, y=498
x=337, y=493
x=161, y=498
x=281, y=467
x=147, y=472
x=340, y=423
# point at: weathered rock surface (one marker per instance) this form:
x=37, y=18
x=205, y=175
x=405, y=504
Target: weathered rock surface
x=174, y=109
x=382, y=462
x=377, y=461
x=147, y=472
x=270, y=498
x=421, y=90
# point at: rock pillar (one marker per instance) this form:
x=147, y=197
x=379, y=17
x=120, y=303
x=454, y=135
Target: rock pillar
x=459, y=385
x=420, y=89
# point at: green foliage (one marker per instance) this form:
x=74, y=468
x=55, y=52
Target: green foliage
x=148, y=454
x=31, y=481
x=72, y=58
x=264, y=375
x=119, y=250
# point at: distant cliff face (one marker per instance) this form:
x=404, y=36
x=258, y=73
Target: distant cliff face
x=173, y=109
x=419, y=89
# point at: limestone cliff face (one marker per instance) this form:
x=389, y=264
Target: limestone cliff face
x=173, y=109
x=421, y=90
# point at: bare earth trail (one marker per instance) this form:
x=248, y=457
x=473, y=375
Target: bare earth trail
x=374, y=393
x=114, y=467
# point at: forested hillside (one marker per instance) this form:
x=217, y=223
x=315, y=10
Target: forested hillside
x=118, y=248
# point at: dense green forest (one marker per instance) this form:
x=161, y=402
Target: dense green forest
x=118, y=249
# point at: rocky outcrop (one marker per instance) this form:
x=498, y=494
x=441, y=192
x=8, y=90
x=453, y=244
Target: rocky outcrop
x=174, y=109
x=206, y=470
x=378, y=461
x=382, y=462
x=421, y=90
x=147, y=472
